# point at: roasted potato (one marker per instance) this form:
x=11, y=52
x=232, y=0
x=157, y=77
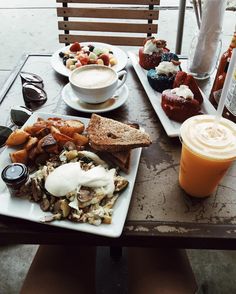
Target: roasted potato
x=47, y=143
x=32, y=153
x=68, y=131
x=76, y=124
x=62, y=138
x=17, y=137
x=80, y=140
x=54, y=130
x=42, y=133
x=35, y=128
x=19, y=156
x=32, y=141
x=46, y=137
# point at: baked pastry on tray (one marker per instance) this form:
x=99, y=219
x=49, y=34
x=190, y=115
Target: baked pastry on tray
x=163, y=76
x=184, y=100
x=151, y=52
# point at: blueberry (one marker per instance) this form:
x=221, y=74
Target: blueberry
x=61, y=54
x=111, y=52
x=91, y=47
x=65, y=59
x=169, y=57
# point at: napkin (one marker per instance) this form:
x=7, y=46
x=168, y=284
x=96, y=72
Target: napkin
x=204, y=55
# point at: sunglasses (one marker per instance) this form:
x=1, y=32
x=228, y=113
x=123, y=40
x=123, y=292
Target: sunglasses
x=19, y=115
x=32, y=90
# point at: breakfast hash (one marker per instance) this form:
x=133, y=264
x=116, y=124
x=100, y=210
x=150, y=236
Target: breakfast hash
x=68, y=180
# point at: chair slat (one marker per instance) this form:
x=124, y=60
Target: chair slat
x=133, y=17
x=122, y=41
x=138, y=2
x=108, y=13
x=103, y=27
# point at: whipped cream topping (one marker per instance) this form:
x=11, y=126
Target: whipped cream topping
x=166, y=68
x=150, y=47
x=183, y=91
x=215, y=141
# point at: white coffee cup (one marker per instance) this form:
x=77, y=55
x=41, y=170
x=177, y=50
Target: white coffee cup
x=96, y=83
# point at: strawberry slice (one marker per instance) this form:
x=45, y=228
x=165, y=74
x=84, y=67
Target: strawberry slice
x=105, y=58
x=189, y=81
x=84, y=59
x=179, y=79
x=182, y=78
x=75, y=47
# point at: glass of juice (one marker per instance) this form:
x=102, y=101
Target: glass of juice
x=208, y=150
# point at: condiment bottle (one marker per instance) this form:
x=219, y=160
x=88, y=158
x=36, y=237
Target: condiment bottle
x=220, y=77
x=230, y=102
x=15, y=175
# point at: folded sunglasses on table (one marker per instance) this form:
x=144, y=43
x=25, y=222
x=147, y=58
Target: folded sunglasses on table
x=19, y=115
x=34, y=96
x=32, y=90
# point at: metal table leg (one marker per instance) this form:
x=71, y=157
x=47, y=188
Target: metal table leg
x=179, y=37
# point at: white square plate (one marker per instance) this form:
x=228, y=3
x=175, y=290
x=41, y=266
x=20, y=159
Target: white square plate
x=171, y=127
x=25, y=209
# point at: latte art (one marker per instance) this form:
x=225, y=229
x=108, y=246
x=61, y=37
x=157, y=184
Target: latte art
x=94, y=77
x=96, y=83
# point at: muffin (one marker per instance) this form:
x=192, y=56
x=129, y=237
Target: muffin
x=179, y=103
x=150, y=54
x=163, y=76
x=182, y=78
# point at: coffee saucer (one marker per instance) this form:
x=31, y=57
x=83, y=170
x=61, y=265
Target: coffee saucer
x=114, y=102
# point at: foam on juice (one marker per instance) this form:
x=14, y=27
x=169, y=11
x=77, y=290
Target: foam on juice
x=203, y=136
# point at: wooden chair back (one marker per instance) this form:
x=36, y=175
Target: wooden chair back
x=117, y=22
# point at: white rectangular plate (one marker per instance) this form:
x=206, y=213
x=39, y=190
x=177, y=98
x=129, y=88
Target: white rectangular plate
x=171, y=127
x=24, y=209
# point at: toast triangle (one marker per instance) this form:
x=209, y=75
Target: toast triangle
x=109, y=135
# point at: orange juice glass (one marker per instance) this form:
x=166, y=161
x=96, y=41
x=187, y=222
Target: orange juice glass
x=208, y=150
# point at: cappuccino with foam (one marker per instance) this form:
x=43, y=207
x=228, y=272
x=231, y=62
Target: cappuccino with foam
x=96, y=83
x=95, y=77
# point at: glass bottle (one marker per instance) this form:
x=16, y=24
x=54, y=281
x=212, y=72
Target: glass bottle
x=221, y=73
x=230, y=103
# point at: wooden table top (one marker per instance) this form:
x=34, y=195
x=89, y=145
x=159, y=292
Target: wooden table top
x=160, y=213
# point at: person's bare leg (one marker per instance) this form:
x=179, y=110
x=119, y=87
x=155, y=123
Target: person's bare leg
x=61, y=269
x=154, y=271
